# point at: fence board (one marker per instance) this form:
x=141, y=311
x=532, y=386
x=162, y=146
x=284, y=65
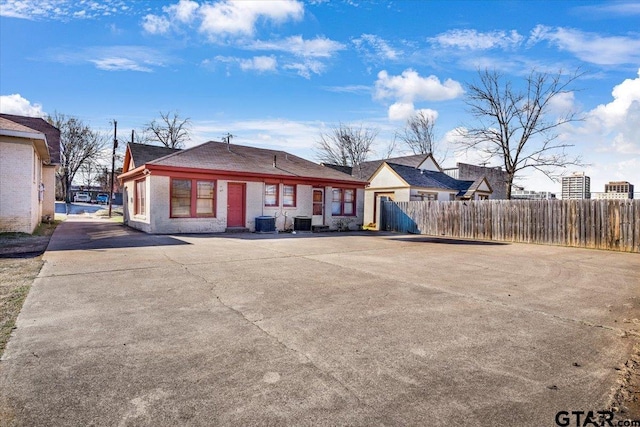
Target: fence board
x=602, y=224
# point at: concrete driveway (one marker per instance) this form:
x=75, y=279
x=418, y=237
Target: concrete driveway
x=123, y=328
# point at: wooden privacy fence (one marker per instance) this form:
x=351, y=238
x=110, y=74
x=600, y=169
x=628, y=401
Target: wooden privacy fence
x=601, y=224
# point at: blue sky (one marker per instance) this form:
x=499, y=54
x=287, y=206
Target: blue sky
x=276, y=74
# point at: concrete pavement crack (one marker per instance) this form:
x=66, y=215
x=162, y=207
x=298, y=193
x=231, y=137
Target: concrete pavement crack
x=280, y=342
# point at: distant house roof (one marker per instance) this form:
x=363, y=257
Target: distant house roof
x=366, y=169
x=476, y=186
x=37, y=124
x=8, y=125
x=143, y=153
x=223, y=157
x=430, y=179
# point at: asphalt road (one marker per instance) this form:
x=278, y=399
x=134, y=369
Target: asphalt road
x=123, y=328
x=78, y=208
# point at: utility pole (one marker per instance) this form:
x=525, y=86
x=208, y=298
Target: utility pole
x=113, y=163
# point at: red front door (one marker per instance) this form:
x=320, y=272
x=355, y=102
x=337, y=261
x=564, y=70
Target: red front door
x=235, y=204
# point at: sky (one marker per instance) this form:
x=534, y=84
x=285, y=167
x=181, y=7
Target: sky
x=277, y=74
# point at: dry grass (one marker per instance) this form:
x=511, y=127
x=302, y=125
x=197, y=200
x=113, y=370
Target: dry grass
x=20, y=264
x=16, y=277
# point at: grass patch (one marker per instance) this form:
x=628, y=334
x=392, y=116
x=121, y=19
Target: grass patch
x=116, y=214
x=16, y=277
x=43, y=230
x=17, y=273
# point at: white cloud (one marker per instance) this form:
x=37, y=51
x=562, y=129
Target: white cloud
x=612, y=8
x=404, y=110
x=16, y=104
x=306, y=68
x=154, y=24
x=112, y=58
x=375, y=47
x=409, y=87
x=355, y=89
x=222, y=19
x=119, y=64
x=259, y=63
x=295, y=137
x=60, y=10
x=590, y=47
x=401, y=110
x=238, y=18
x=183, y=11
x=618, y=120
x=320, y=47
x=562, y=103
x=474, y=40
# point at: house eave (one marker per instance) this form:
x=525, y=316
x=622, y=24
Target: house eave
x=175, y=171
x=38, y=139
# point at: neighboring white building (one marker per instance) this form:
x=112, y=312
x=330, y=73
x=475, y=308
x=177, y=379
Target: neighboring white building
x=576, y=186
x=610, y=196
x=427, y=181
x=217, y=187
x=29, y=155
x=532, y=195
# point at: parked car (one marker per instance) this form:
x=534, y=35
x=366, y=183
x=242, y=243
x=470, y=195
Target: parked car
x=81, y=196
x=102, y=198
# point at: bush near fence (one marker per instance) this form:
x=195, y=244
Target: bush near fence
x=600, y=224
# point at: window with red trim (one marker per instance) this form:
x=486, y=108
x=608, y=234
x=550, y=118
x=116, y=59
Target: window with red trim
x=140, y=197
x=343, y=202
x=192, y=198
x=271, y=194
x=289, y=196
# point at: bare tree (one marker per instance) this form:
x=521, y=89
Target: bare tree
x=516, y=126
x=171, y=131
x=345, y=145
x=419, y=136
x=390, y=148
x=89, y=173
x=79, y=146
x=142, y=137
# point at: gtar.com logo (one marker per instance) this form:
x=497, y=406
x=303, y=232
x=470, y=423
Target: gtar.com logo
x=590, y=418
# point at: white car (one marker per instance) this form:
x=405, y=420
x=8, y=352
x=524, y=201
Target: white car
x=82, y=197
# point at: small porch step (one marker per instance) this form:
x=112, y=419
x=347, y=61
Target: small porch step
x=236, y=230
x=319, y=228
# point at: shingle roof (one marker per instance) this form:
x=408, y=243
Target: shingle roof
x=475, y=186
x=430, y=179
x=7, y=124
x=239, y=158
x=40, y=125
x=143, y=153
x=366, y=169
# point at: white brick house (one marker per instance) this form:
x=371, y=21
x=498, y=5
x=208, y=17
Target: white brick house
x=29, y=155
x=216, y=186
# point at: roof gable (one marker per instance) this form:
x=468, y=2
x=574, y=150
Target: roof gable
x=140, y=154
x=38, y=124
x=366, y=169
x=480, y=185
x=430, y=164
x=386, y=177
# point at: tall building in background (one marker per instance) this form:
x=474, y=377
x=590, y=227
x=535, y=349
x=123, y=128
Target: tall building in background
x=576, y=186
x=616, y=190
